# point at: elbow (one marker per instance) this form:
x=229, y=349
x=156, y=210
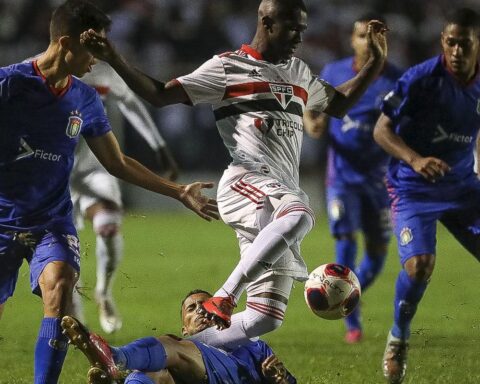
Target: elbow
x=116, y=168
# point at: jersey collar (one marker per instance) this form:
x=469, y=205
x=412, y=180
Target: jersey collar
x=252, y=52
x=58, y=92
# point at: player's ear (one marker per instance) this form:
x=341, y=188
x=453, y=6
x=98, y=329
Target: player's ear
x=184, y=331
x=65, y=42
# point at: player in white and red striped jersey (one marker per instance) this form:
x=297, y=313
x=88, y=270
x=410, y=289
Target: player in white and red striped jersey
x=259, y=95
x=96, y=194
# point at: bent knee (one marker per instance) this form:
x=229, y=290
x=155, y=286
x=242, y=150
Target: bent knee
x=420, y=268
x=298, y=222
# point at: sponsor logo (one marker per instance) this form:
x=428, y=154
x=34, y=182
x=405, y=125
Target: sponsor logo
x=441, y=135
x=24, y=150
x=281, y=127
x=254, y=73
x=406, y=236
x=74, y=124
x=41, y=154
x=283, y=93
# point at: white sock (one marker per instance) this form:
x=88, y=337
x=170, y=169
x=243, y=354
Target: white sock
x=261, y=316
x=109, y=252
x=266, y=249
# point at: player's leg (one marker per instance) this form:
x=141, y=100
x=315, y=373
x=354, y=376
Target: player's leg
x=266, y=304
x=54, y=270
x=416, y=233
x=344, y=219
x=149, y=354
x=287, y=223
x=106, y=217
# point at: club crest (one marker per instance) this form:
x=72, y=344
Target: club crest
x=406, y=236
x=74, y=124
x=283, y=93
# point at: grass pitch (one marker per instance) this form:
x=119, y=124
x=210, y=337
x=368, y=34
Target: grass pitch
x=166, y=255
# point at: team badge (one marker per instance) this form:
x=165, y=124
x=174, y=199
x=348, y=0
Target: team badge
x=74, y=124
x=283, y=93
x=406, y=236
x=336, y=209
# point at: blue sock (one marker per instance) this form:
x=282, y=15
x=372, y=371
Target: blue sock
x=147, y=354
x=369, y=269
x=50, y=351
x=138, y=378
x=345, y=251
x=408, y=293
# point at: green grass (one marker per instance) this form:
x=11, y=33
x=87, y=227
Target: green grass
x=167, y=255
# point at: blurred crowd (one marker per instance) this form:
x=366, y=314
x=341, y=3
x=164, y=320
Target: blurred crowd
x=167, y=38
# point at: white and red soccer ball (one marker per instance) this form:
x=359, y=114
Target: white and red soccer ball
x=332, y=291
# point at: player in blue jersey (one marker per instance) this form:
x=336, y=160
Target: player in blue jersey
x=43, y=110
x=429, y=125
x=169, y=359
x=356, y=194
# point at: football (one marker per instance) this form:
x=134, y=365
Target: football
x=332, y=291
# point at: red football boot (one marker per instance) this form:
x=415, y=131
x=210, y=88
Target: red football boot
x=218, y=309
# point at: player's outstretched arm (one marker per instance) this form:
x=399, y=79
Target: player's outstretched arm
x=154, y=91
x=108, y=152
x=349, y=92
x=431, y=168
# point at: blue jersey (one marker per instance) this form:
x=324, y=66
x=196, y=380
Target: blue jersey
x=241, y=366
x=39, y=129
x=436, y=116
x=353, y=155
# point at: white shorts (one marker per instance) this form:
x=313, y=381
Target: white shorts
x=249, y=200
x=92, y=188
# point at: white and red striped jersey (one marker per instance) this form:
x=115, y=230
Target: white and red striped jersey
x=258, y=107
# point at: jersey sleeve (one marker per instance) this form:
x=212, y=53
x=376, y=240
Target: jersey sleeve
x=320, y=93
x=95, y=121
x=207, y=83
x=401, y=99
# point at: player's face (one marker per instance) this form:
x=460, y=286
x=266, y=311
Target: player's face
x=460, y=47
x=192, y=321
x=359, y=39
x=286, y=34
x=78, y=59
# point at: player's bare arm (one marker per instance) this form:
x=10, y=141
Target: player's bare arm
x=154, y=91
x=108, y=152
x=315, y=123
x=431, y=168
x=349, y=92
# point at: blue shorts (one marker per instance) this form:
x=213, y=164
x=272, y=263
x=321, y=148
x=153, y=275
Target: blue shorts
x=59, y=243
x=415, y=221
x=359, y=207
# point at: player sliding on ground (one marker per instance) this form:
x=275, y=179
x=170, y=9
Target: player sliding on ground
x=259, y=94
x=169, y=359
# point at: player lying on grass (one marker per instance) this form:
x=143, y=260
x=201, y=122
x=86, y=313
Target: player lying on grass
x=170, y=359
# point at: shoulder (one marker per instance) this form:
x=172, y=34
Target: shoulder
x=16, y=70
x=86, y=90
x=423, y=70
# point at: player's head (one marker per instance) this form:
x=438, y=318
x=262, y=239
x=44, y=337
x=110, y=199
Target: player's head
x=281, y=24
x=460, y=42
x=192, y=321
x=68, y=21
x=359, y=34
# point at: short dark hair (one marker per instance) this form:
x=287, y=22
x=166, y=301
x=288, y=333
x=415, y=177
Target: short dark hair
x=464, y=17
x=75, y=16
x=370, y=16
x=193, y=292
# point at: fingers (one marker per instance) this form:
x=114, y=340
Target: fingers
x=377, y=26
x=207, y=185
x=432, y=168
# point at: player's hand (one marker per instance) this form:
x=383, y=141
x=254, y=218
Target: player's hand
x=273, y=370
x=431, y=168
x=202, y=205
x=98, y=45
x=377, y=39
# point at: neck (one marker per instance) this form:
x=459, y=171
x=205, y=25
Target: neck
x=51, y=65
x=260, y=45
x=359, y=62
